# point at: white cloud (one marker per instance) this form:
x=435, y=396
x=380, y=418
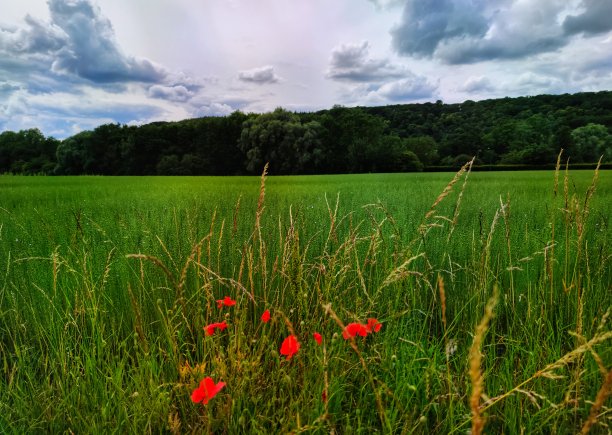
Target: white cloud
x=351, y=63
x=408, y=89
x=213, y=109
x=260, y=76
x=171, y=93
x=477, y=85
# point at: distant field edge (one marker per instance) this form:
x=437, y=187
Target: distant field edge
x=546, y=167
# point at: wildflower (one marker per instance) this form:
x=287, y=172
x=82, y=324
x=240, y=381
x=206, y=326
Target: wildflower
x=206, y=391
x=318, y=338
x=265, y=317
x=290, y=346
x=373, y=325
x=354, y=329
x=226, y=301
x=210, y=329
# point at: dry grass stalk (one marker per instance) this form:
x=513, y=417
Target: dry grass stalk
x=333, y=216
x=600, y=399
x=557, y=167
x=262, y=196
x=448, y=189
x=226, y=281
x=210, y=233
x=549, y=370
x=458, y=203
x=591, y=191
x=191, y=258
x=475, y=359
x=156, y=261
x=442, y=302
x=401, y=271
x=235, y=217
x=262, y=247
x=220, y=245
x=138, y=315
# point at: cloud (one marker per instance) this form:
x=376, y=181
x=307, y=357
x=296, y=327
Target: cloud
x=213, y=109
x=407, y=89
x=469, y=31
x=596, y=18
x=386, y=4
x=36, y=37
x=62, y=114
x=92, y=51
x=261, y=76
x=78, y=42
x=171, y=93
x=476, y=85
x=426, y=24
x=411, y=88
x=7, y=88
x=351, y=63
x=530, y=83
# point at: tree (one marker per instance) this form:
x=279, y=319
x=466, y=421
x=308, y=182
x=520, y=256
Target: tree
x=425, y=148
x=591, y=142
x=73, y=154
x=410, y=162
x=27, y=152
x=281, y=139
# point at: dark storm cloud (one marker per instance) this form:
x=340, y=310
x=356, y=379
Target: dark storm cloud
x=351, y=63
x=92, y=52
x=477, y=50
x=425, y=24
x=260, y=76
x=596, y=18
x=78, y=43
x=469, y=31
x=37, y=37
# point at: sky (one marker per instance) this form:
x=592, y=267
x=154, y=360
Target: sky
x=72, y=65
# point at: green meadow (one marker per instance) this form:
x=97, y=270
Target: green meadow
x=493, y=291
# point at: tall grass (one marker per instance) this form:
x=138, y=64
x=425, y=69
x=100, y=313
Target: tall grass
x=105, y=291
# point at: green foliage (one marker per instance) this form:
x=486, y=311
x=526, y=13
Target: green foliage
x=592, y=142
x=516, y=131
x=27, y=152
x=281, y=139
x=425, y=148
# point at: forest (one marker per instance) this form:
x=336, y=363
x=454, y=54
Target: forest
x=509, y=133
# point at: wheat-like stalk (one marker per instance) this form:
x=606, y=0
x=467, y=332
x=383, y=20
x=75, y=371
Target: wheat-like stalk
x=475, y=359
x=602, y=395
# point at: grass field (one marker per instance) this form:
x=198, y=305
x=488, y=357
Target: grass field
x=493, y=294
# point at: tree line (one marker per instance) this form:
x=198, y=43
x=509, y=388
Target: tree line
x=407, y=137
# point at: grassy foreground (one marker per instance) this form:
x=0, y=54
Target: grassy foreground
x=493, y=291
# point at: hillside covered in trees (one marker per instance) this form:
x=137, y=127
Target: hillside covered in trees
x=407, y=137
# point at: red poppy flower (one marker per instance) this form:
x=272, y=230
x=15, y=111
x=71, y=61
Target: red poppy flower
x=265, y=317
x=290, y=346
x=354, y=329
x=210, y=329
x=206, y=390
x=318, y=338
x=373, y=325
x=227, y=301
